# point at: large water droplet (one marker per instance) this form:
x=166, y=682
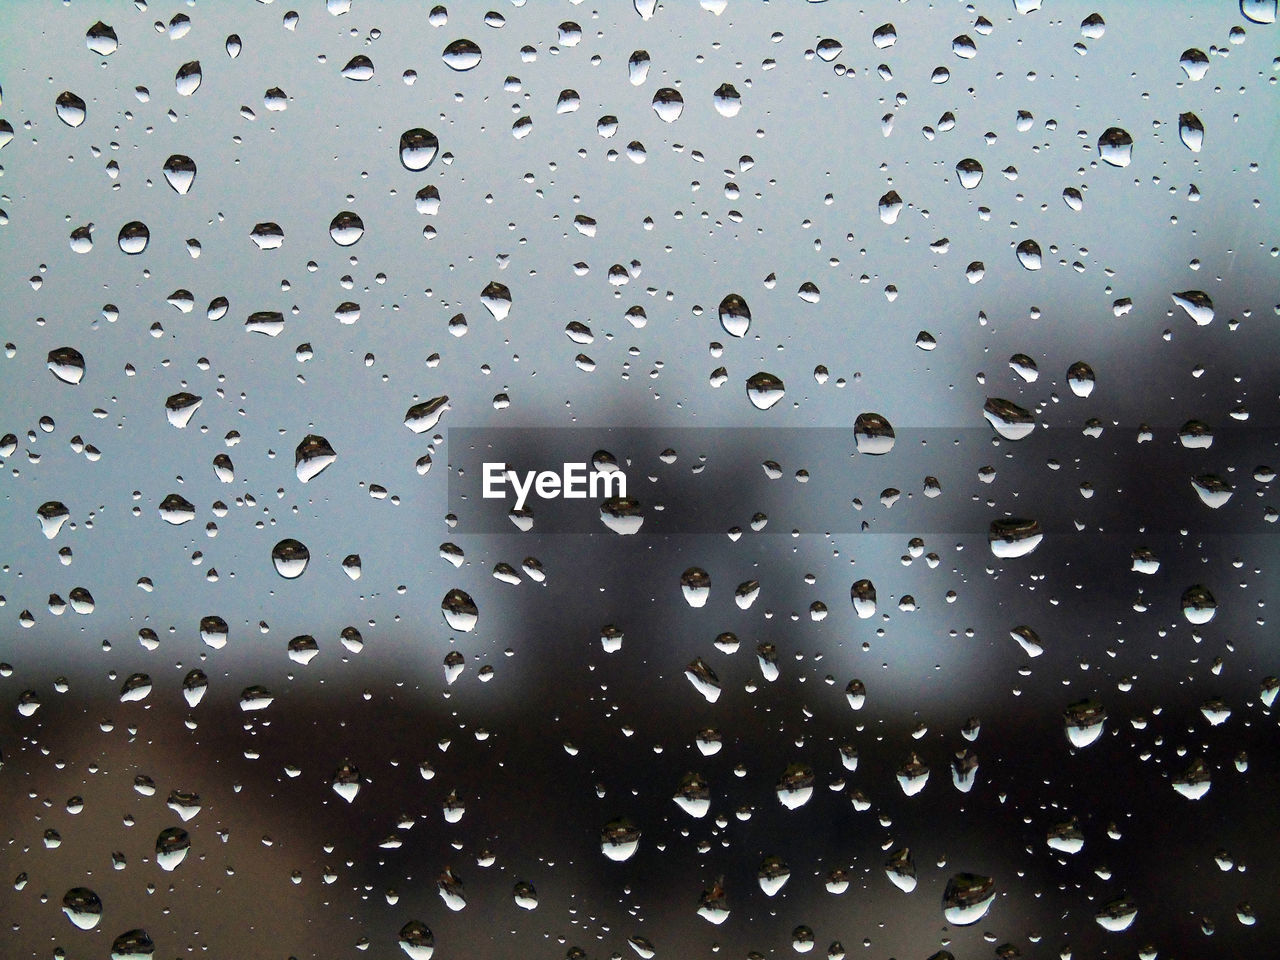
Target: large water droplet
x=52, y=514
x=1259, y=11
x=1083, y=721
x=67, y=364
x=1197, y=304
x=704, y=679
x=346, y=781
x=418, y=147
x=132, y=945
x=889, y=206
x=134, y=237
x=1115, y=146
x=82, y=907
x=1191, y=131
x=1198, y=604
x=1194, y=62
x=181, y=407
x=901, y=869
x=176, y=509
x=735, y=315
x=967, y=897
x=727, y=100
x=290, y=558
x=764, y=390
x=695, y=584
x=969, y=172
x=1117, y=915
x=267, y=235
x=346, y=228
x=70, y=108
x=422, y=417
x=619, y=839
x=171, y=847
x=1029, y=254
x=496, y=299
x=461, y=55
x=873, y=434
x=1014, y=537
x=180, y=172
x=312, y=456
x=187, y=79
x=638, y=67
x=101, y=39
x=668, y=104
x=416, y=940
x=358, y=68
x=1008, y=419
x=460, y=611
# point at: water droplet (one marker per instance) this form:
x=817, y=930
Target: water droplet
x=1083, y=721
x=358, y=68
x=1014, y=537
x=187, y=79
x=668, y=104
x=70, y=108
x=460, y=611
x=416, y=940
x=290, y=558
x=1008, y=419
x=180, y=172
x=1029, y=254
x=969, y=172
x=623, y=515
x=1197, y=304
x=735, y=315
x=194, y=686
x=638, y=67
x=52, y=515
x=134, y=237
x=1066, y=837
x=171, y=847
x=524, y=895
x=1258, y=11
x=727, y=100
x=1093, y=27
x=889, y=206
x=422, y=417
x=101, y=39
x=773, y=875
x=181, y=407
x=1080, y=378
x=828, y=49
x=462, y=55
x=1214, y=492
x=82, y=907
x=695, y=584
x=451, y=890
x=1198, y=604
x=968, y=896
x=873, y=434
x=132, y=945
x=1115, y=146
x=267, y=236
x=346, y=781
x=418, y=147
x=1117, y=915
x=312, y=456
x=713, y=905
x=913, y=775
x=704, y=679
x=1191, y=131
x=67, y=364
x=1194, y=62
x=176, y=509
x=795, y=787
x=1028, y=639
x=764, y=390
x=901, y=869
x=346, y=228
x=619, y=839
x=496, y=299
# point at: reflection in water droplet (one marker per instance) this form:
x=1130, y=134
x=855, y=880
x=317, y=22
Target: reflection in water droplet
x=290, y=558
x=901, y=870
x=70, y=108
x=1008, y=419
x=312, y=456
x=1115, y=146
x=1014, y=537
x=873, y=434
x=180, y=172
x=82, y=907
x=1029, y=254
x=735, y=315
x=346, y=228
x=764, y=390
x=358, y=68
x=267, y=236
x=496, y=299
x=967, y=898
x=1191, y=131
x=695, y=584
x=1197, y=304
x=704, y=679
x=668, y=104
x=134, y=237
x=1083, y=721
x=727, y=100
x=171, y=847
x=418, y=147
x=187, y=79
x=620, y=839
x=889, y=206
x=461, y=55
x=422, y=417
x=416, y=940
x=346, y=781
x=969, y=172
x=1117, y=915
x=1194, y=62
x=132, y=945
x=181, y=407
x=459, y=610
x=101, y=39
x=67, y=364
x=1198, y=604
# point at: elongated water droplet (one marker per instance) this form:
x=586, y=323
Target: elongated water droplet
x=460, y=611
x=214, y=631
x=187, y=79
x=638, y=67
x=704, y=679
x=181, y=407
x=1191, y=131
x=462, y=55
x=422, y=417
x=901, y=870
x=735, y=315
x=346, y=781
x=70, y=108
